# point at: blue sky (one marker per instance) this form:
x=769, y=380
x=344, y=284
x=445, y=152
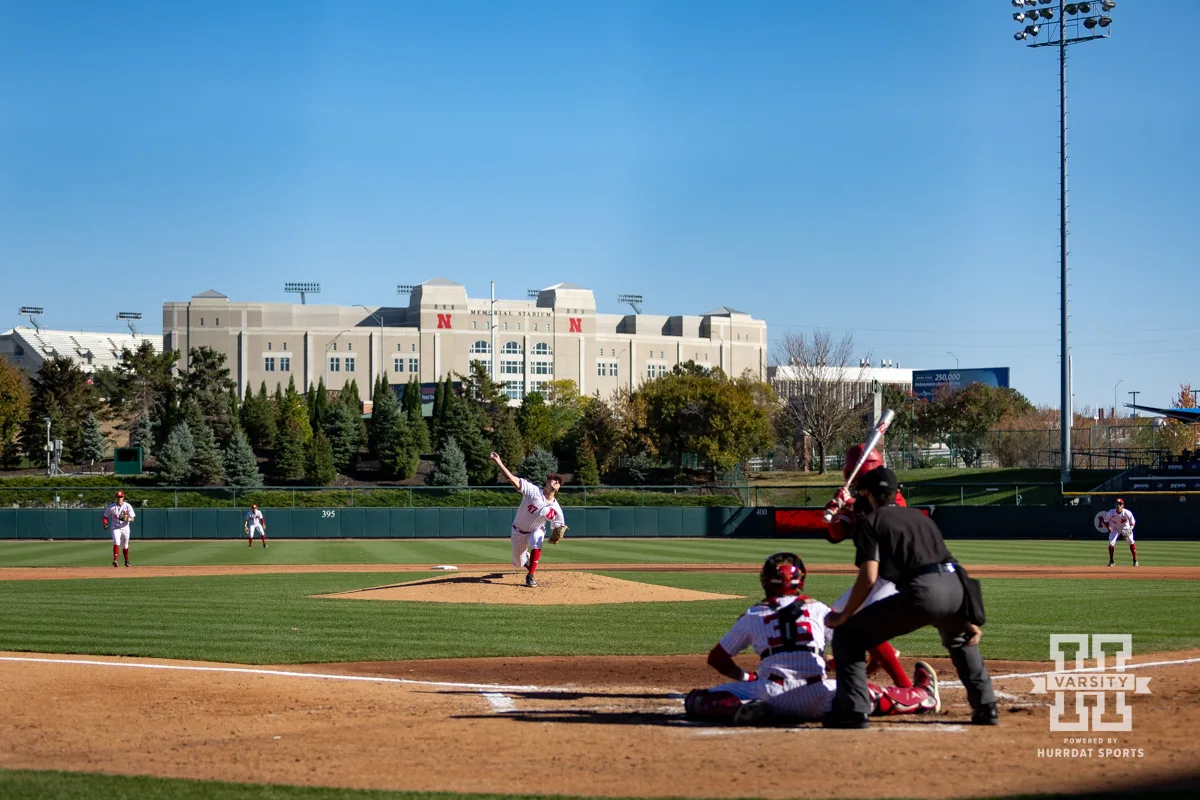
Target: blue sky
x=889, y=172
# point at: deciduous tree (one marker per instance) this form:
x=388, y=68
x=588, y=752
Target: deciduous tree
x=14, y=411
x=61, y=392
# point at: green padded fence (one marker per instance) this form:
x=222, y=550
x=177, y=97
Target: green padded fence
x=386, y=523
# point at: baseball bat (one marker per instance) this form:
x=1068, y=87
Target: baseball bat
x=877, y=434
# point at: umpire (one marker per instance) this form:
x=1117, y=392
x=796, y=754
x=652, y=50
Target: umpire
x=906, y=547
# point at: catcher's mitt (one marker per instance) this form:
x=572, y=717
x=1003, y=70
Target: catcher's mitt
x=557, y=534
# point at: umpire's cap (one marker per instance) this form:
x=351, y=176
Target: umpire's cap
x=880, y=483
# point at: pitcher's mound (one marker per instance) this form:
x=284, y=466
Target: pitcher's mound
x=554, y=588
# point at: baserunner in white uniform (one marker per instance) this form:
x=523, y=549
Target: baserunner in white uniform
x=1120, y=522
x=787, y=631
x=254, y=522
x=537, y=508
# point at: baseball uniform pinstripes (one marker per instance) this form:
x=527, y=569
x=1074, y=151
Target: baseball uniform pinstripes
x=535, y=511
x=759, y=628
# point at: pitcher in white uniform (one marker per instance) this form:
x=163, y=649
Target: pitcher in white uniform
x=787, y=631
x=537, y=508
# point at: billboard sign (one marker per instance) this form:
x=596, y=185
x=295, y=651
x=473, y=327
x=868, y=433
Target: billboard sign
x=926, y=382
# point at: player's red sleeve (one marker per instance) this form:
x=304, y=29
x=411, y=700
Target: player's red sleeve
x=837, y=530
x=900, y=501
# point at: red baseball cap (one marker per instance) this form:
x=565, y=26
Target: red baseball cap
x=120, y=494
x=554, y=476
x=1120, y=502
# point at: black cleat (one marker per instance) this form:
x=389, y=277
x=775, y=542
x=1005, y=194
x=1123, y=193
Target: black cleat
x=986, y=715
x=529, y=581
x=850, y=720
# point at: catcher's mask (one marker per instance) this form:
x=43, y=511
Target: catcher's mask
x=782, y=574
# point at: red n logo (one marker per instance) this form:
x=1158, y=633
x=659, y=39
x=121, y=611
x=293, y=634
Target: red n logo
x=576, y=325
x=443, y=320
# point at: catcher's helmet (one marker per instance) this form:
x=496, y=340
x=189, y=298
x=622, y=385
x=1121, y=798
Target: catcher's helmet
x=782, y=574
x=874, y=459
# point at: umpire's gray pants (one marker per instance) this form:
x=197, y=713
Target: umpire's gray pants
x=935, y=599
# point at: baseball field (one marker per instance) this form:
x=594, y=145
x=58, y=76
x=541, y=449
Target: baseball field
x=353, y=669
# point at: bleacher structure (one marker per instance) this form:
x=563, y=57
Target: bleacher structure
x=29, y=348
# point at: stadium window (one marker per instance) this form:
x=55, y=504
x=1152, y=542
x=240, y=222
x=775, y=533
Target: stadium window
x=398, y=365
x=535, y=326
x=414, y=347
x=269, y=364
x=202, y=322
x=649, y=370
x=612, y=369
x=412, y=365
x=218, y=322
x=349, y=364
x=601, y=351
x=541, y=349
x=505, y=325
x=350, y=346
x=285, y=364
x=335, y=364
x=472, y=324
x=268, y=345
x=335, y=347
x=601, y=368
x=518, y=326
x=399, y=348
x=479, y=347
x=511, y=349
x=285, y=345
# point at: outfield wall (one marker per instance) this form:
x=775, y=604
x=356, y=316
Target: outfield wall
x=1165, y=521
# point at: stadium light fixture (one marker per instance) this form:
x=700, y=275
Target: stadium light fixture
x=302, y=288
x=532, y=294
x=1019, y=16
x=33, y=312
x=130, y=317
x=634, y=300
x=404, y=288
x=1064, y=29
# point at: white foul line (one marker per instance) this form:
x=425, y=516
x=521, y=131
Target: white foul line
x=500, y=703
x=286, y=674
x=1126, y=668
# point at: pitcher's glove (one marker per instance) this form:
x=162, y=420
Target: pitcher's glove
x=557, y=534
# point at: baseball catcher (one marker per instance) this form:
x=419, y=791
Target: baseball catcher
x=787, y=631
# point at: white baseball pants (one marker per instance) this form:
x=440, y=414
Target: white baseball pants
x=523, y=542
x=120, y=536
x=260, y=530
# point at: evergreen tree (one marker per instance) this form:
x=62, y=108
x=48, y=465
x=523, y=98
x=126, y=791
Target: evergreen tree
x=586, y=471
x=310, y=403
x=294, y=412
x=143, y=435
x=320, y=407
x=241, y=466
x=291, y=454
x=175, y=460
x=398, y=457
x=341, y=428
x=95, y=445
x=639, y=466
x=350, y=398
x=259, y=421
x=60, y=391
x=439, y=409
x=207, y=467
x=506, y=438
x=416, y=419
x=207, y=384
x=384, y=411
x=277, y=399
x=235, y=412
x=462, y=423
x=451, y=467
x=538, y=466
x=320, y=470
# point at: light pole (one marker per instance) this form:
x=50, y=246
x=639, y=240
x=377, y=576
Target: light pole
x=302, y=288
x=129, y=318
x=1118, y=383
x=382, y=354
x=330, y=344
x=1135, y=394
x=954, y=357
x=1093, y=18
x=33, y=312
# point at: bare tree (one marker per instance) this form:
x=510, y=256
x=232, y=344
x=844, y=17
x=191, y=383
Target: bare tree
x=822, y=387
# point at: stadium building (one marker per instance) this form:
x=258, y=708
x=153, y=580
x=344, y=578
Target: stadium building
x=525, y=343
x=29, y=348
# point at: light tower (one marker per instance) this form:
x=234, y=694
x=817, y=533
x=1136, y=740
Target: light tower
x=634, y=300
x=302, y=288
x=1071, y=23
x=130, y=317
x=33, y=312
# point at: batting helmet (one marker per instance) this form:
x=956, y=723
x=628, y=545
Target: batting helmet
x=874, y=459
x=782, y=574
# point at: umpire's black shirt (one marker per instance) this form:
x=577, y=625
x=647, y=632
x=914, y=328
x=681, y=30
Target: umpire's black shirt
x=902, y=540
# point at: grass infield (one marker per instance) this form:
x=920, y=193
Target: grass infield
x=33, y=785
x=573, y=551
x=205, y=618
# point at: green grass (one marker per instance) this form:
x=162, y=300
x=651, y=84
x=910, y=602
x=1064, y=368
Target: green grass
x=271, y=619
x=34, y=785
x=98, y=552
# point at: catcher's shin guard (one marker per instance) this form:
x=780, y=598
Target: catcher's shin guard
x=892, y=700
x=705, y=706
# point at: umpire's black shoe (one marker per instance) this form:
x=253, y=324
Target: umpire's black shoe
x=986, y=715
x=846, y=719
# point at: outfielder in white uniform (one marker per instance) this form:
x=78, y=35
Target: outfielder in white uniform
x=1120, y=524
x=537, y=508
x=254, y=522
x=787, y=631
x=117, y=517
